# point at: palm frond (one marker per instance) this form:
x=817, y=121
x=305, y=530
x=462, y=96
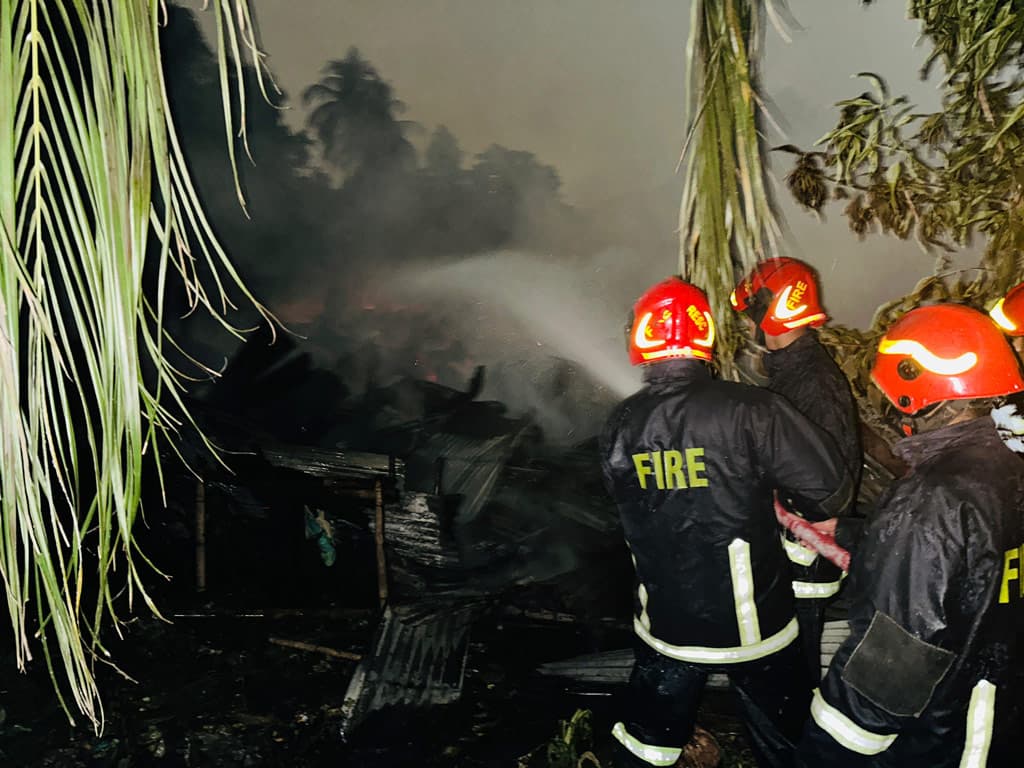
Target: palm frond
x=727, y=222
x=93, y=184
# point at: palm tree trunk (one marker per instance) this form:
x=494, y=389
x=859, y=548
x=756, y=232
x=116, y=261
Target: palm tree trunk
x=727, y=220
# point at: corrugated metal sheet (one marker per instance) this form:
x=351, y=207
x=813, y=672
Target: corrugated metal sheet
x=465, y=466
x=411, y=663
x=418, y=653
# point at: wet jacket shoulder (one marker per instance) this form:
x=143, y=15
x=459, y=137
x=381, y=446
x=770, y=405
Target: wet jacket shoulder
x=936, y=606
x=692, y=462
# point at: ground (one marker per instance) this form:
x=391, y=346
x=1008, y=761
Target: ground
x=214, y=691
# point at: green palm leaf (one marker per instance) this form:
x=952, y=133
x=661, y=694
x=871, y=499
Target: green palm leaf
x=727, y=222
x=92, y=185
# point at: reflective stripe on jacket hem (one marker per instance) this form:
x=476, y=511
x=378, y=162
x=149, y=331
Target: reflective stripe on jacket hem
x=798, y=553
x=980, y=715
x=704, y=655
x=811, y=589
x=845, y=731
x=646, y=752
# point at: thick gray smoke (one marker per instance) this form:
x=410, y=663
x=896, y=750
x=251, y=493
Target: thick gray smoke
x=549, y=335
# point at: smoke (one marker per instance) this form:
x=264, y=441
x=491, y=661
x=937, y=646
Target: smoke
x=547, y=331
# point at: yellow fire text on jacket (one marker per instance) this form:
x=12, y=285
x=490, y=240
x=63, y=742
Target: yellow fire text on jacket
x=671, y=469
x=1011, y=572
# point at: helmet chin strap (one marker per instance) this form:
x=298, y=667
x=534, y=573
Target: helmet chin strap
x=756, y=311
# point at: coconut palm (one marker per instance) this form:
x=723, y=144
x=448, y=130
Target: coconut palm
x=355, y=116
x=93, y=192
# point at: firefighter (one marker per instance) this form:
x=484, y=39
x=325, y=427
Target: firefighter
x=780, y=297
x=931, y=672
x=1008, y=314
x=692, y=462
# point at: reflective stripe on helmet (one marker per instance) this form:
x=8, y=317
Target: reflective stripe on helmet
x=643, y=330
x=980, y=714
x=646, y=752
x=730, y=655
x=817, y=589
x=743, y=592
x=998, y=314
x=946, y=366
x=845, y=731
x=782, y=309
x=797, y=552
x=805, y=320
x=662, y=354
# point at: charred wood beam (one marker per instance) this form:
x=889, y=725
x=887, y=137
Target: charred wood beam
x=378, y=537
x=278, y=613
x=558, y=617
x=200, y=535
x=334, y=464
x=323, y=649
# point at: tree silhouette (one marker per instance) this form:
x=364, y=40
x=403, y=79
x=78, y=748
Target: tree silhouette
x=518, y=198
x=355, y=117
x=443, y=157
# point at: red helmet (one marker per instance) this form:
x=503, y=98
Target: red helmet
x=672, y=320
x=1008, y=312
x=780, y=295
x=944, y=352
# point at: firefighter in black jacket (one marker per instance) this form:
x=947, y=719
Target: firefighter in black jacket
x=931, y=673
x=692, y=463
x=781, y=299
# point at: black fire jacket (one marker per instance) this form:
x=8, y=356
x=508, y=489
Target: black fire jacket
x=692, y=463
x=931, y=673
x=806, y=375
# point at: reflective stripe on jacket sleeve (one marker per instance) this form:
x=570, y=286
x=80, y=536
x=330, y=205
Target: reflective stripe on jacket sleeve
x=845, y=731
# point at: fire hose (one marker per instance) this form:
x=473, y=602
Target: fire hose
x=822, y=543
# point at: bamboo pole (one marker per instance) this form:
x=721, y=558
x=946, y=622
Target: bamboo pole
x=200, y=535
x=382, y=569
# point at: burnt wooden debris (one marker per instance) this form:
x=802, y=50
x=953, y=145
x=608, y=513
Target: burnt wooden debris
x=459, y=511
x=440, y=508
